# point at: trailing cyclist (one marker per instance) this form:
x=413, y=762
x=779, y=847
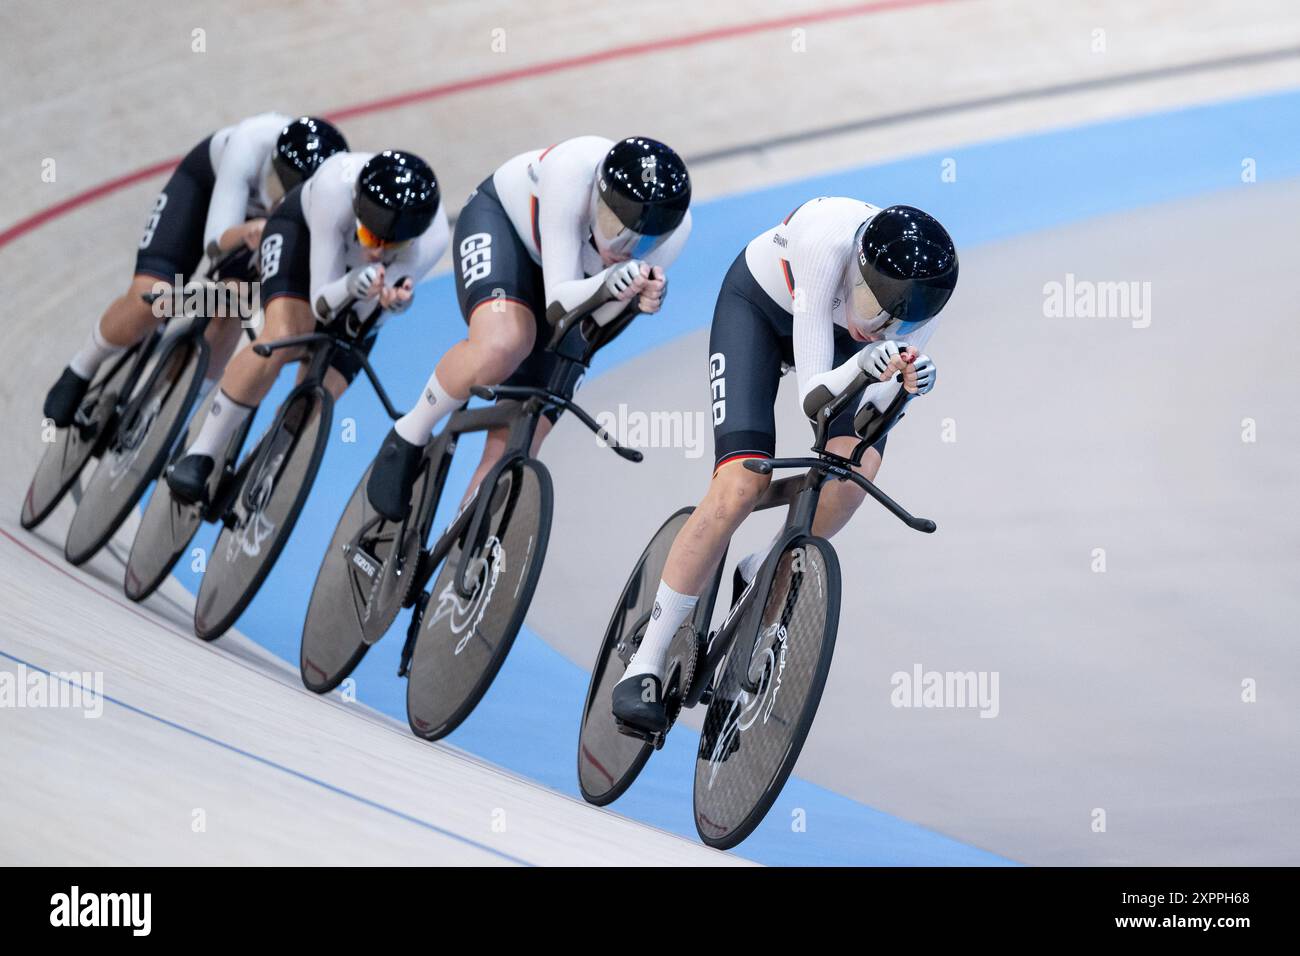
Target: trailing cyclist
x=216, y=202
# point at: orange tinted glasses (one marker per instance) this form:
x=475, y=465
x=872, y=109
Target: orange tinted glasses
x=371, y=241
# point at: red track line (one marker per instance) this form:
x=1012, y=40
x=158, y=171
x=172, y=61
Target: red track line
x=490, y=79
x=83, y=198
x=90, y=587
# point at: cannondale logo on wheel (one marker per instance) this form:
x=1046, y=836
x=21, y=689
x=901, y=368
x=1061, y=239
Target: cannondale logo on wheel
x=255, y=530
x=769, y=661
x=463, y=617
x=128, y=450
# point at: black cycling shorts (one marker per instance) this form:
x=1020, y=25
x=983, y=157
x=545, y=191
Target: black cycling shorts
x=286, y=270
x=751, y=338
x=172, y=243
x=286, y=251
x=493, y=265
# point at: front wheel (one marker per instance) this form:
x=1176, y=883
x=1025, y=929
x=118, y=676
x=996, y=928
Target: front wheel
x=273, y=487
x=608, y=760
x=766, y=696
x=462, y=642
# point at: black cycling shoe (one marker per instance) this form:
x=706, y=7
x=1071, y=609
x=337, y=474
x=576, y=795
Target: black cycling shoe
x=63, y=400
x=188, y=478
x=635, y=715
x=393, y=476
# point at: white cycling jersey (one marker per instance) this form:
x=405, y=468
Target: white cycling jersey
x=241, y=159
x=335, y=249
x=808, y=266
x=547, y=195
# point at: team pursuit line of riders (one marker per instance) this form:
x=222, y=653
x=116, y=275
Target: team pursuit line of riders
x=337, y=241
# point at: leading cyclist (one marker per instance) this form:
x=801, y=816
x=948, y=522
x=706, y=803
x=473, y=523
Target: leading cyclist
x=839, y=287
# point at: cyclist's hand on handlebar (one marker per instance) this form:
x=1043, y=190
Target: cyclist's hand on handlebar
x=252, y=236
x=881, y=359
x=396, y=298
x=654, y=291
x=887, y=359
x=626, y=279
x=924, y=373
x=365, y=282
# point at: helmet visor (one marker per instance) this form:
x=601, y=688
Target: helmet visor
x=615, y=240
x=371, y=240
x=880, y=324
x=885, y=326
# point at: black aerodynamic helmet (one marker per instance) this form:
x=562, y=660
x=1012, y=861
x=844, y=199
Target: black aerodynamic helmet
x=645, y=184
x=909, y=262
x=396, y=196
x=301, y=148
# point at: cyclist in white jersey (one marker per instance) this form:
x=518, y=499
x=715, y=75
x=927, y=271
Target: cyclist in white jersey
x=215, y=202
x=839, y=287
x=353, y=240
x=550, y=231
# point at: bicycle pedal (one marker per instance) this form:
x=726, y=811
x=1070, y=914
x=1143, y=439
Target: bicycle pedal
x=650, y=737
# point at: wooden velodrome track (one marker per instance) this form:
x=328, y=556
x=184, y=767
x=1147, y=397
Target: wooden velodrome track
x=114, y=92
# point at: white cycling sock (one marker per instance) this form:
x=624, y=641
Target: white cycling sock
x=206, y=386
x=224, y=418
x=434, y=405
x=671, y=609
x=93, y=354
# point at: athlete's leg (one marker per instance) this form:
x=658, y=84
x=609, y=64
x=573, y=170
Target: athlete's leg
x=249, y=376
x=840, y=499
x=243, y=385
x=501, y=334
x=745, y=356
x=127, y=320
x=495, y=446
x=223, y=336
x=172, y=245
